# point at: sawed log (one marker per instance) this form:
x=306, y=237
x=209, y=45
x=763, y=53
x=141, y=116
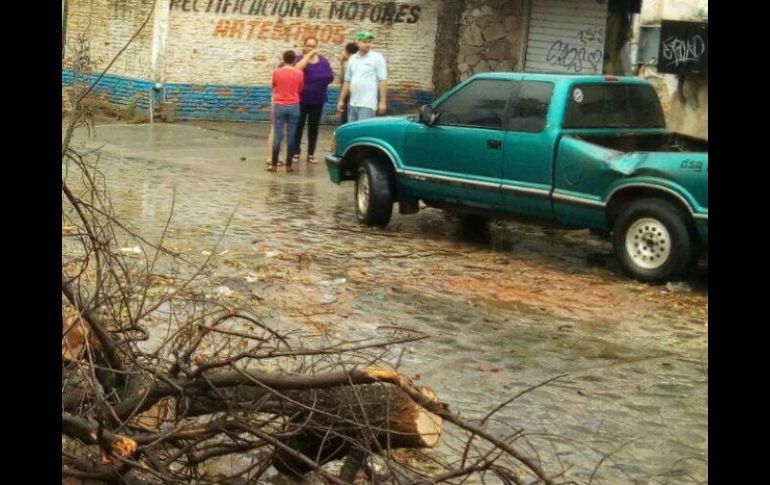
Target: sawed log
x=374, y=416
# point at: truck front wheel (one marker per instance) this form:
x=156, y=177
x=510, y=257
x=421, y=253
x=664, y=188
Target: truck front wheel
x=653, y=241
x=374, y=194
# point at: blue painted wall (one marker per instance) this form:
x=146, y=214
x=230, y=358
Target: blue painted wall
x=219, y=101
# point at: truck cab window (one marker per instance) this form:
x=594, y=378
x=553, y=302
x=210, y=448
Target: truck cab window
x=613, y=106
x=530, y=107
x=481, y=103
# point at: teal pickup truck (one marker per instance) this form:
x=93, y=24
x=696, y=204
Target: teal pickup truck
x=576, y=150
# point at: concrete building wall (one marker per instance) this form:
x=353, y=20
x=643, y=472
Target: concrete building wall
x=653, y=11
x=108, y=25
x=684, y=99
x=216, y=57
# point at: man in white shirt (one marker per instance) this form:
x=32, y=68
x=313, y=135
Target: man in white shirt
x=366, y=75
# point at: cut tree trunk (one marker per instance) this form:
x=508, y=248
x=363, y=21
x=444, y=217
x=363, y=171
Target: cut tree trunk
x=373, y=417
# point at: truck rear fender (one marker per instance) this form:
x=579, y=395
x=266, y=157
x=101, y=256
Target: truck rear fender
x=621, y=196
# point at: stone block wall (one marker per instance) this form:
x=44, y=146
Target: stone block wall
x=491, y=36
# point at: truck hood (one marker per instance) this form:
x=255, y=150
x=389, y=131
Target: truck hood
x=373, y=123
x=386, y=129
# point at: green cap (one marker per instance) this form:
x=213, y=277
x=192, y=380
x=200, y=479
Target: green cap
x=364, y=35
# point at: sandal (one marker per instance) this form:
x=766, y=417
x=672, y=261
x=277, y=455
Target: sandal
x=295, y=158
x=311, y=159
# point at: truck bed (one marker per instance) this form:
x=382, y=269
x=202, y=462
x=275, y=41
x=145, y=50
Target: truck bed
x=670, y=142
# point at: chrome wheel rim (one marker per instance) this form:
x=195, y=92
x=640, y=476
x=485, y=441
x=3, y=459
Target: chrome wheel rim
x=362, y=193
x=648, y=243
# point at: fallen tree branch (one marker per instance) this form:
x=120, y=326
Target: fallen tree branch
x=93, y=434
x=109, y=346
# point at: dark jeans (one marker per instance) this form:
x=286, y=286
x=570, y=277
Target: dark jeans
x=286, y=115
x=310, y=113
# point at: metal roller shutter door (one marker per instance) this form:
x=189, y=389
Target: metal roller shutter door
x=566, y=36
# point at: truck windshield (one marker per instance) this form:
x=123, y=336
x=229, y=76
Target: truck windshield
x=613, y=106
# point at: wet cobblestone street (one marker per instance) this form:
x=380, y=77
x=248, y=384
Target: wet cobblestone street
x=504, y=312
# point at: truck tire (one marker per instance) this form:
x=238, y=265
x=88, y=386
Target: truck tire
x=374, y=194
x=653, y=241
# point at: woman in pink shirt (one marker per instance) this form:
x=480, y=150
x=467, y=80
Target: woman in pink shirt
x=287, y=87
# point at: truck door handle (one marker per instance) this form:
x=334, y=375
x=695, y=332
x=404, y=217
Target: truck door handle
x=494, y=144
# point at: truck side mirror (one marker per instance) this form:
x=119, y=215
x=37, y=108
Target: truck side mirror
x=427, y=115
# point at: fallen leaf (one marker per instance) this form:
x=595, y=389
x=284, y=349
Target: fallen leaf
x=131, y=250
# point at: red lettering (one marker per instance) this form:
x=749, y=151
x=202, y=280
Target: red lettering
x=253, y=24
x=264, y=30
x=278, y=30
x=236, y=29
x=294, y=32
x=326, y=33
x=310, y=31
x=222, y=28
x=338, y=34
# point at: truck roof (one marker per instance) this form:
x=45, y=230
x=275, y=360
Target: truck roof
x=559, y=77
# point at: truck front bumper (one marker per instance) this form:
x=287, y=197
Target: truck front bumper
x=333, y=163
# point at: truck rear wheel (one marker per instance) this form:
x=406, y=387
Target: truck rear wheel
x=374, y=194
x=653, y=241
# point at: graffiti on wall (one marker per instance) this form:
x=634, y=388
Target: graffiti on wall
x=126, y=9
x=679, y=51
x=288, y=15
x=584, y=53
x=683, y=48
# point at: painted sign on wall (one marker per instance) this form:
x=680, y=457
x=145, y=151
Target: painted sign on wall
x=240, y=41
x=215, y=58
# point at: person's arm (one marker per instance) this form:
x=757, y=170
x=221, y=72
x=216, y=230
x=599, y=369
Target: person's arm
x=343, y=96
x=345, y=88
x=343, y=65
x=383, y=96
x=302, y=63
x=382, y=76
